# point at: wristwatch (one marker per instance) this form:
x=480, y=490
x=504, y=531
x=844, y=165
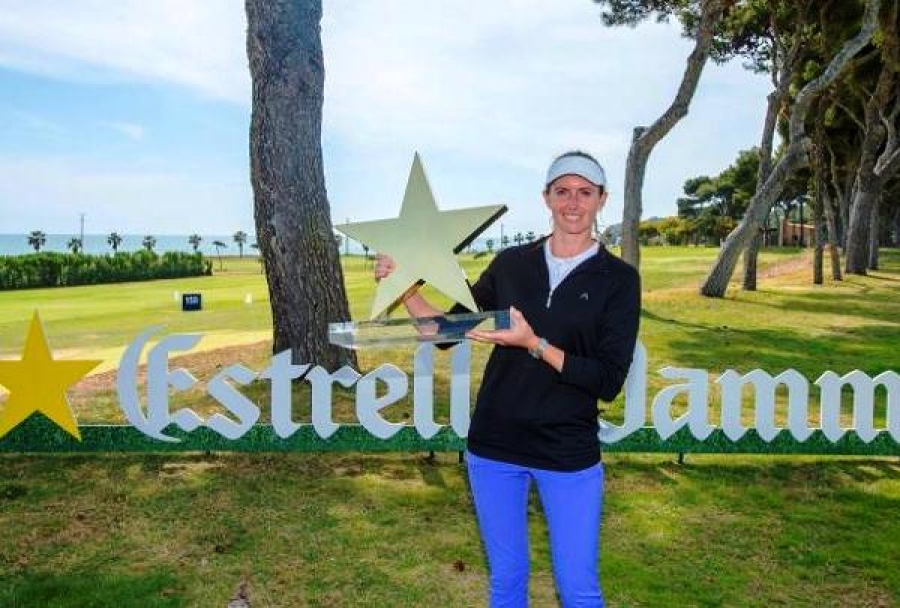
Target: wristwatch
x=538, y=351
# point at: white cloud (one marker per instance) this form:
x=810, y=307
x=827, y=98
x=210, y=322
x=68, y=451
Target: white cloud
x=493, y=90
x=507, y=85
x=36, y=123
x=129, y=130
x=194, y=44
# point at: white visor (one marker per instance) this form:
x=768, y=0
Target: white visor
x=576, y=165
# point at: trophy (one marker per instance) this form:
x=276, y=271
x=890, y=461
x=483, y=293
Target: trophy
x=423, y=241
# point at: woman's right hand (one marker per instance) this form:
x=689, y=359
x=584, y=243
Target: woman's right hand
x=414, y=302
x=384, y=266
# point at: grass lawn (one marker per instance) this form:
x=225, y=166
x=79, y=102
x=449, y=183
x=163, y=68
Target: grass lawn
x=398, y=529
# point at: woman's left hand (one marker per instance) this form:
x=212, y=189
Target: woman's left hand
x=519, y=334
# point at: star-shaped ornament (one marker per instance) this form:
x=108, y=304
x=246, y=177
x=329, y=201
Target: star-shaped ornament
x=38, y=383
x=423, y=242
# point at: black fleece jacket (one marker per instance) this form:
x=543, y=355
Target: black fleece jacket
x=527, y=413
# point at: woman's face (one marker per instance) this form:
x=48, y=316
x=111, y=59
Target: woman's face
x=574, y=202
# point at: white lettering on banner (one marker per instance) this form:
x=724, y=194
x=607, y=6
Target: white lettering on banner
x=322, y=397
x=863, y=403
x=697, y=416
x=460, y=388
x=764, y=386
x=159, y=378
x=223, y=392
x=635, y=400
x=369, y=404
x=423, y=392
x=281, y=373
x=371, y=401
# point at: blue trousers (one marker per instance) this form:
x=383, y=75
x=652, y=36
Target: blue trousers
x=573, y=506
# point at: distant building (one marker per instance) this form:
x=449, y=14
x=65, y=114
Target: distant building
x=795, y=234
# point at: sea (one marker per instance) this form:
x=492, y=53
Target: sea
x=17, y=244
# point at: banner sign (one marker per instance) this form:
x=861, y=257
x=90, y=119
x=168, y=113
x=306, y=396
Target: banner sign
x=36, y=416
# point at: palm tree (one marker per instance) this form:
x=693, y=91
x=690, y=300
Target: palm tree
x=529, y=236
x=75, y=245
x=115, y=240
x=37, y=239
x=504, y=241
x=149, y=243
x=240, y=237
x=490, y=245
x=219, y=245
x=518, y=238
x=194, y=240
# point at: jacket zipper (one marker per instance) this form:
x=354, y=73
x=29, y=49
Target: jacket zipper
x=578, y=269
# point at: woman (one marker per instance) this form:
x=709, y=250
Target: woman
x=574, y=310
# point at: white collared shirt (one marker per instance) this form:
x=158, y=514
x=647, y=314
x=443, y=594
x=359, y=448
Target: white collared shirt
x=561, y=267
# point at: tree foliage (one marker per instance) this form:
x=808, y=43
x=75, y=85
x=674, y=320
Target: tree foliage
x=796, y=154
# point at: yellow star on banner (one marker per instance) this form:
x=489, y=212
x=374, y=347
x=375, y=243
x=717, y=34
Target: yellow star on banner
x=38, y=383
x=423, y=242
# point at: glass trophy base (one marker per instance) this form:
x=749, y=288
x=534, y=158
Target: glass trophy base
x=397, y=332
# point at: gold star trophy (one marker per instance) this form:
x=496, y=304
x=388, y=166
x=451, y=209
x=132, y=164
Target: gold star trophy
x=423, y=242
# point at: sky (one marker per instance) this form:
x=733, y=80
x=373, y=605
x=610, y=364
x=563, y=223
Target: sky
x=136, y=113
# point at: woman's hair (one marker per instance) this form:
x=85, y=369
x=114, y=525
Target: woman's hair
x=580, y=154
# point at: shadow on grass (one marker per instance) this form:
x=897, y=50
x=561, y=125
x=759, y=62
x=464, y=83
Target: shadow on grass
x=715, y=348
x=90, y=589
x=876, y=305
x=758, y=531
x=360, y=529
x=364, y=529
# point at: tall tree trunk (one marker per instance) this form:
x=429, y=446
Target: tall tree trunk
x=874, y=233
x=822, y=168
x=782, y=69
x=795, y=156
x=880, y=153
x=831, y=228
x=645, y=139
x=843, y=190
x=857, y=253
x=293, y=222
x=751, y=256
x=817, y=242
x=895, y=228
x=844, y=208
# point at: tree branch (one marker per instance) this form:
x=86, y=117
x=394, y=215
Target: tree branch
x=678, y=109
x=850, y=113
x=850, y=48
x=888, y=165
x=645, y=139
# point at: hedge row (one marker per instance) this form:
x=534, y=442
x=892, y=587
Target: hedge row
x=68, y=269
